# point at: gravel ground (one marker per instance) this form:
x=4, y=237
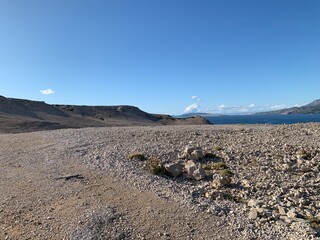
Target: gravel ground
x=274, y=190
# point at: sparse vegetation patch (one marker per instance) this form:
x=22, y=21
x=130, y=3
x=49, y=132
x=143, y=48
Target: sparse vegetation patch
x=155, y=166
x=217, y=148
x=215, y=166
x=136, y=156
x=226, y=172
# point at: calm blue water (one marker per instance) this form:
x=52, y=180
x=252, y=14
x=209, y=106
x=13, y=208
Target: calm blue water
x=264, y=119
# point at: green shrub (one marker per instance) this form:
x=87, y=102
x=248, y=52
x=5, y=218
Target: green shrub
x=155, y=166
x=136, y=156
x=206, y=166
x=226, y=172
x=215, y=166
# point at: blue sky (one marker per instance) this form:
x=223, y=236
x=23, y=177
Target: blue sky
x=165, y=56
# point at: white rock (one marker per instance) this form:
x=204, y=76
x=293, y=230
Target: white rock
x=291, y=214
x=193, y=171
x=281, y=210
x=253, y=214
x=190, y=149
x=252, y=203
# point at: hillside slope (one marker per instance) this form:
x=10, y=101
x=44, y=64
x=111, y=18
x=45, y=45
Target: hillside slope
x=311, y=108
x=20, y=115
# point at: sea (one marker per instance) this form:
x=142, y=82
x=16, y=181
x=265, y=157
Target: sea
x=264, y=119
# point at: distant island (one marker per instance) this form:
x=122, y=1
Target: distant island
x=311, y=108
x=188, y=115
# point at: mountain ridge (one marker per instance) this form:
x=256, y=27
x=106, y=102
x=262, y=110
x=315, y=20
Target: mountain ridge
x=310, y=108
x=22, y=115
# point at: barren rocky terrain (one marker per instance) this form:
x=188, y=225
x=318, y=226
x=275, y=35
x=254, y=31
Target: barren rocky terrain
x=231, y=182
x=22, y=115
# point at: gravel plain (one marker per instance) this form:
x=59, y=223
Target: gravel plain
x=274, y=190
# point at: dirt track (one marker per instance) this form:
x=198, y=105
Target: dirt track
x=34, y=204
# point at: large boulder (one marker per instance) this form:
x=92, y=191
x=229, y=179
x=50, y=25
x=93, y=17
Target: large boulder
x=253, y=214
x=191, y=153
x=174, y=169
x=189, y=149
x=193, y=171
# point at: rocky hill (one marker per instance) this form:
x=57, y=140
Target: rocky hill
x=20, y=115
x=311, y=108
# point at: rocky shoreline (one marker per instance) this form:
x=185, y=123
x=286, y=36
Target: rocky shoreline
x=259, y=181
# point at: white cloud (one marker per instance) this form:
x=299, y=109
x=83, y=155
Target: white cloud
x=235, y=109
x=245, y=109
x=221, y=107
x=47, y=91
x=192, y=108
x=195, y=98
x=278, y=107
